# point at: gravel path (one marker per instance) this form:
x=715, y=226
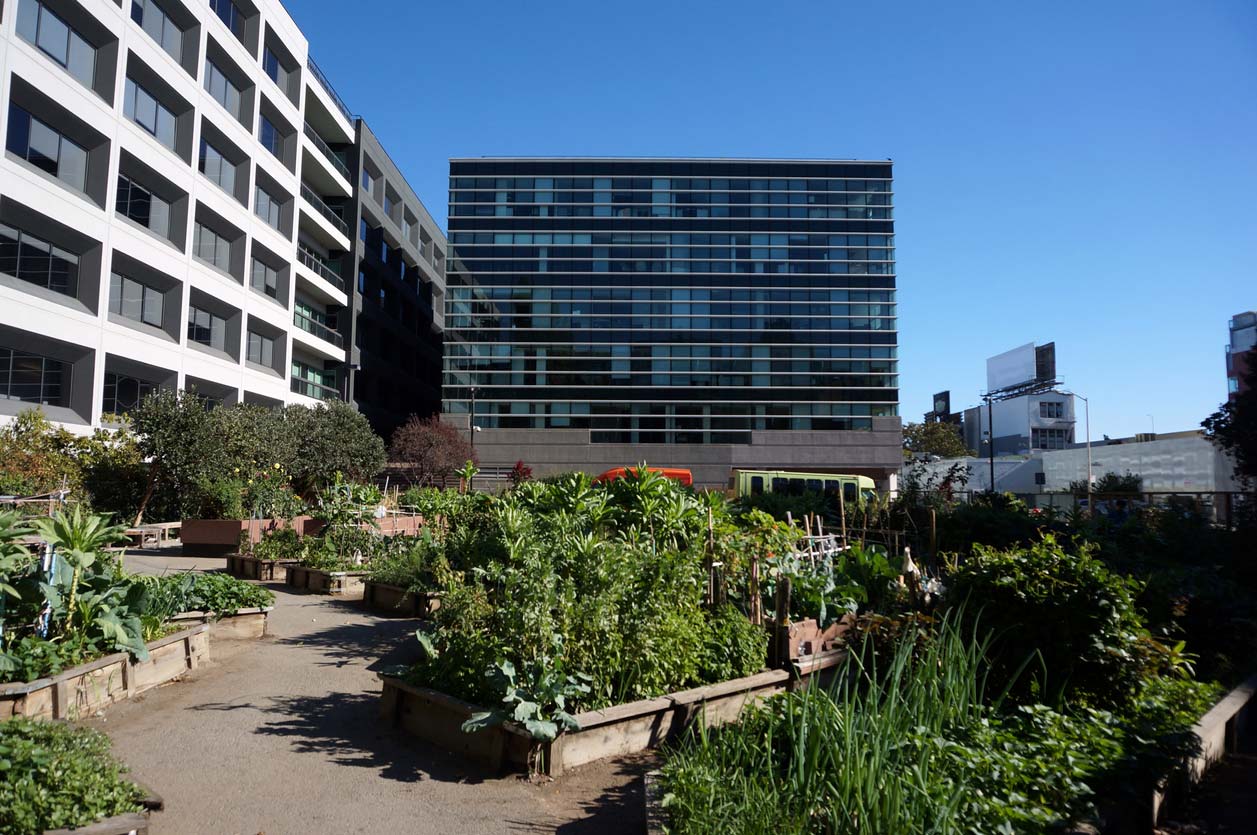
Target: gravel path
x=280, y=736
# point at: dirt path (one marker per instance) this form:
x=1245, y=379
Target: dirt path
x=280, y=736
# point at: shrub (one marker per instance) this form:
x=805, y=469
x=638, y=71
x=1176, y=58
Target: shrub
x=414, y=563
x=279, y=544
x=433, y=449
x=733, y=647
x=55, y=776
x=1058, y=609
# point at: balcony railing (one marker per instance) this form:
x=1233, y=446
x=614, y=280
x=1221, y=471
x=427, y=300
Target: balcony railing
x=324, y=209
x=318, y=329
x=331, y=155
x=310, y=389
x=327, y=85
x=325, y=272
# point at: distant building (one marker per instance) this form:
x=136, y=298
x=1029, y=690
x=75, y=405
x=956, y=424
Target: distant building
x=1243, y=328
x=1035, y=421
x=1183, y=462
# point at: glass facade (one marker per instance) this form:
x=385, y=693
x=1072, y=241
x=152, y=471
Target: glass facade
x=671, y=301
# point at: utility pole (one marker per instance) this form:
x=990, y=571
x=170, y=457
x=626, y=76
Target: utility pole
x=990, y=432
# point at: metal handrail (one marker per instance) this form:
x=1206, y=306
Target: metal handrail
x=327, y=151
x=315, y=390
x=325, y=272
x=327, y=85
x=318, y=329
x=324, y=209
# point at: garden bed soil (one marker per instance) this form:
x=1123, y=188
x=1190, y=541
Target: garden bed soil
x=620, y=729
x=82, y=690
x=244, y=625
x=132, y=823
x=338, y=583
x=395, y=600
x=252, y=568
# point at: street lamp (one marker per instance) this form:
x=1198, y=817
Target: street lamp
x=471, y=422
x=1087, y=406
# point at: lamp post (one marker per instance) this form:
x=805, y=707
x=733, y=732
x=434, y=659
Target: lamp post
x=1087, y=408
x=471, y=422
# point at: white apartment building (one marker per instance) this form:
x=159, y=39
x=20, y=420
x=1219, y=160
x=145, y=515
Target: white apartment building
x=166, y=206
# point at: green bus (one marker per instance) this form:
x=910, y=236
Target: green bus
x=854, y=488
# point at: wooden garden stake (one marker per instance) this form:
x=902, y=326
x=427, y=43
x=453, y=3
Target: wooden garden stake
x=842, y=514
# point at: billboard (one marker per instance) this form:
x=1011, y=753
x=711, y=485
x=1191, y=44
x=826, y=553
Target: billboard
x=1011, y=367
x=942, y=403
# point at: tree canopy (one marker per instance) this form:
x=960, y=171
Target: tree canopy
x=941, y=439
x=1233, y=427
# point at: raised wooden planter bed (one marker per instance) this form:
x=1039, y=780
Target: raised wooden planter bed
x=220, y=537
x=82, y=690
x=252, y=568
x=395, y=600
x=244, y=625
x=340, y=583
x=133, y=823
x=621, y=729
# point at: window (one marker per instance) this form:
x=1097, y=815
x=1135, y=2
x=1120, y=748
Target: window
x=212, y=248
x=54, y=36
x=142, y=206
x=367, y=181
x=272, y=140
x=229, y=14
x=146, y=111
x=220, y=87
x=158, y=26
x=136, y=301
x=408, y=229
x=32, y=259
x=363, y=229
x=276, y=70
x=47, y=150
x=123, y=393
x=265, y=279
x=1049, y=438
x=217, y=167
x=1051, y=410
x=266, y=206
x=205, y=328
x=32, y=378
x=388, y=204
x=261, y=349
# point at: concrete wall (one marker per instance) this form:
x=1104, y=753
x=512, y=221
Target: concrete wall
x=1190, y=464
x=876, y=453
x=1012, y=474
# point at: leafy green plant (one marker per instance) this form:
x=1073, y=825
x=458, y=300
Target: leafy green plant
x=279, y=544
x=1062, y=606
x=733, y=647
x=55, y=776
x=538, y=703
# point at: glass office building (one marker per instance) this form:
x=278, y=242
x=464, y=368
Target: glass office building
x=689, y=312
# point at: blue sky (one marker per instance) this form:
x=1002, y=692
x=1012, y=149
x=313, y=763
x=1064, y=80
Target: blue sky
x=1084, y=172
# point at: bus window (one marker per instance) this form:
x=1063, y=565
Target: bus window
x=779, y=485
x=757, y=485
x=849, y=493
x=814, y=485
x=796, y=487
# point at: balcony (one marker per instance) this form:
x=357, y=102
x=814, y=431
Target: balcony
x=314, y=390
x=327, y=211
x=327, y=88
x=318, y=329
x=334, y=158
x=322, y=269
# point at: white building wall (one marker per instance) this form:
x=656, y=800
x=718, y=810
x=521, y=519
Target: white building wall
x=1187, y=464
x=30, y=316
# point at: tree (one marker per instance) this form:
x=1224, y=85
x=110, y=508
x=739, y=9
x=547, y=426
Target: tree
x=941, y=439
x=175, y=434
x=1233, y=427
x=432, y=449
x=37, y=457
x=335, y=438
x=1110, y=482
